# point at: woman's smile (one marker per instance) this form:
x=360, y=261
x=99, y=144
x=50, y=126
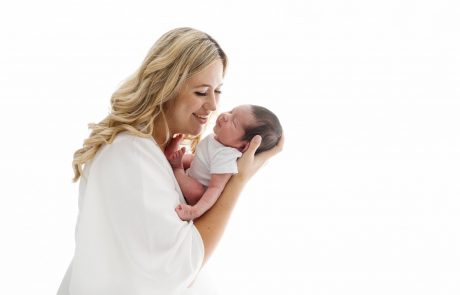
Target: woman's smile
x=203, y=119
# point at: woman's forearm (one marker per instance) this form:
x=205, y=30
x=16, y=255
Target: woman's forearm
x=211, y=225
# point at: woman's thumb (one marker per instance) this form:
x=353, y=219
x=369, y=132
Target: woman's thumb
x=254, y=144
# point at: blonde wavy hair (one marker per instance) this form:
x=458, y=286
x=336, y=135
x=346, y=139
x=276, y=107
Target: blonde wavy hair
x=140, y=101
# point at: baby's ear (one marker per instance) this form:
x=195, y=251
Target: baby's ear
x=244, y=146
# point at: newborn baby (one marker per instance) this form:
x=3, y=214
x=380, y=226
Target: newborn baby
x=215, y=156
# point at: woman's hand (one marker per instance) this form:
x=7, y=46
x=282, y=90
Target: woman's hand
x=249, y=163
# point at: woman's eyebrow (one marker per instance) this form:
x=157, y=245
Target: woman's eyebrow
x=207, y=85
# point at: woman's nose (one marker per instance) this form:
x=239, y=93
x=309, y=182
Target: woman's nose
x=211, y=104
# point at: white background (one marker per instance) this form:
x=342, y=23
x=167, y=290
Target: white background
x=364, y=198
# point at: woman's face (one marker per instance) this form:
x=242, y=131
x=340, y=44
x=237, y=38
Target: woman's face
x=191, y=109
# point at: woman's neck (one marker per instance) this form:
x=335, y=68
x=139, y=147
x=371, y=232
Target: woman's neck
x=160, y=135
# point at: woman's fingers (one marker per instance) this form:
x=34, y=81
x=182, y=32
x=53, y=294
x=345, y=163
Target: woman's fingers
x=271, y=152
x=249, y=164
x=254, y=145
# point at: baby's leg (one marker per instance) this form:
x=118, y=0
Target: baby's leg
x=192, y=189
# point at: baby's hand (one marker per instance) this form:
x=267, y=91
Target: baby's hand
x=176, y=159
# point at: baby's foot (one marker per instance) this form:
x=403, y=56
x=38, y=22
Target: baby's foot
x=176, y=159
x=185, y=212
x=173, y=145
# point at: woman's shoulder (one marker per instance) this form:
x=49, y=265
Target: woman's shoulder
x=132, y=140
x=128, y=138
x=128, y=145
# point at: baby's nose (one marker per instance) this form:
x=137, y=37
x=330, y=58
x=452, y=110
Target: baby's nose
x=220, y=119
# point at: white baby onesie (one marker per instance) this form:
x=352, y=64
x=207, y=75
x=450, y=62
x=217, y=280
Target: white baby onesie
x=212, y=157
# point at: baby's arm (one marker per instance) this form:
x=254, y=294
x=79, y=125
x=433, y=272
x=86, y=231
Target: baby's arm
x=191, y=188
x=210, y=196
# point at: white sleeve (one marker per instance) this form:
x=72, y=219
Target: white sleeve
x=224, y=161
x=140, y=196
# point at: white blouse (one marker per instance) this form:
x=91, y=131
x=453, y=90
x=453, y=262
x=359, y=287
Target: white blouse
x=129, y=239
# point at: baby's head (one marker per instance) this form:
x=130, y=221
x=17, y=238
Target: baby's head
x=237, y=127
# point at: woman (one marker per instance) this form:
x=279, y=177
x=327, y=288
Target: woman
x=129, y=239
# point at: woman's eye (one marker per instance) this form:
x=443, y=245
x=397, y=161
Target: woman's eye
x=201, y=93
x=218, y=91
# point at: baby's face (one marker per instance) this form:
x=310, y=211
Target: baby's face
x=230, y=126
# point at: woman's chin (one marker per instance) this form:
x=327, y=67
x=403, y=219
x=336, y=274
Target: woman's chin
x=196, y=131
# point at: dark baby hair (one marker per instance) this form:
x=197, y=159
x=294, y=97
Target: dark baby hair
x=267, y=125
